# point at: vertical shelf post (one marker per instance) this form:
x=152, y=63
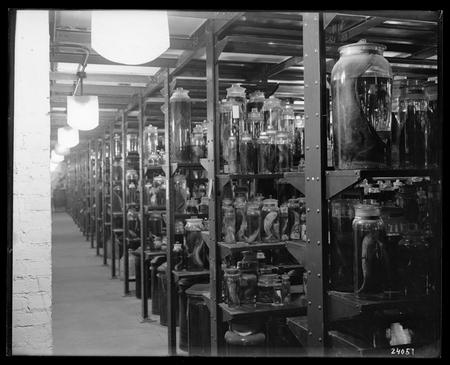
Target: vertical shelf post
x=170, y=225
x=126, y=284
x=92, y=196
x=212, y=92
x=111, y=186
x=315, y=164
x=97, y=200
x=104, y=202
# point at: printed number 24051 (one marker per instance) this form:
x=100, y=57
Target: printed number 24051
x=408, y=351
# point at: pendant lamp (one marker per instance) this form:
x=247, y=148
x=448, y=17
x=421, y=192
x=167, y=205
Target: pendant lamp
x=68, y=137
x=55, y=157
x=53, y=166
x=130, y=37
x=61, y=150
x=82, y=112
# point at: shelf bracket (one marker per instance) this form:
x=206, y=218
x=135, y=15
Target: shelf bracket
x=297, y=180
x=339, y=180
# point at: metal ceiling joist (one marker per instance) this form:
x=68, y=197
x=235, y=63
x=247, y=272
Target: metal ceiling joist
x=276, y=69
x=93, y=77
x=360, y=28
x=98, y=89
x=426, y=52
x=410, y=15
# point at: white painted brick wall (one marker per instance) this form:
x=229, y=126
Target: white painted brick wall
x=32, y=280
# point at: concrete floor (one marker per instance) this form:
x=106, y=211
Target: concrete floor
x=90, y=316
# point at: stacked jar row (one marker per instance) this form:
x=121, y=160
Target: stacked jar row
x=261, y=220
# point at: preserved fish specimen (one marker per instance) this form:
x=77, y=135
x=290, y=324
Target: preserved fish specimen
x=270, y=221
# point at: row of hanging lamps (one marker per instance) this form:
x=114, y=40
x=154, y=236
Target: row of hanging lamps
x=130, y=37
x=61, y=150
x=68, y=137
x=55, y=157
x=82, y=112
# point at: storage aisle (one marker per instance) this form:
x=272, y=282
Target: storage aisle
x=90, y=315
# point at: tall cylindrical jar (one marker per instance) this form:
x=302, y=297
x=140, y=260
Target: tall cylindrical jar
x=369, y=250
x=180, y=118
x=361, y=83
x=272, y=114
x=256, y=100
x=270, y=221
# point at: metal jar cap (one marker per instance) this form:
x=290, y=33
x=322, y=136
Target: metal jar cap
x=361, y=47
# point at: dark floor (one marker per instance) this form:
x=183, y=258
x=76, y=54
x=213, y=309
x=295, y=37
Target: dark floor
x=90, y=315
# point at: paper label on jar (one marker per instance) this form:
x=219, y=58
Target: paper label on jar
x=236, y=111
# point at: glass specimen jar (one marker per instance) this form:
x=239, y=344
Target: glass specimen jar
x=132, y=179
x=298, y=145
x=159, y=184
x=233, y=155
x=117, y=171
x=228, y=224
x=180, y=119
x=406, y=198
x=285, y=288
x=117, y=146
x=255, y=101
x=225, y=111
x=254, y=123
x=361, y=83
x=287, y=119
x=283, y=152
x=151, y=144
x=253, y=232
x=155, y=223
x=148, y=194
x=236, y=97
x=232, y=278
x=284, y=221
x=248, y=155
x=198, y=147
x=294, y=219
x=270, y=221
x=132, y=144
x=117, y=198
x=194, y=243
x=302, y=203
x=415, y=128
x=203, y=208
x=342, y=255
x=369, y=250
x=179, y=232
x=266, y=288
x=267, y=157
x=272, y=114
x=181, y=193
x=240, y=206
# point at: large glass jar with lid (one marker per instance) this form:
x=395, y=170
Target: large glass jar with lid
x=132, y=179
x=228, y=223
x=194, y=244
x=240, y=206
x=267, y=156
x=180, y=119
x=361, y=83
x=253, y=230
x=369, y=260
x=181, y=193
x=270, y=221
x=287, y=119
x=225, y=111
x=284, y=222
x=294, y=218
x=272, y=114
x=254, y=123
x=159, y=184
x=232, y=278
x=255, y=101
x=198, y=147
x=236, y=97
x=415, y=129
x=283, y=152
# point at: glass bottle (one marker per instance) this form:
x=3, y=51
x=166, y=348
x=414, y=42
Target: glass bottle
x=117, y=146
x=415, y=129
x=369, y=250
x=361, y=83
x=159, y=184
x=270, y=221
x=240, y=206
x=155, y=224
x=229, y=224
x=287, y=119
x=256, y=101
x=192, y=206
x=194, y=243
x=180, y=116
x=248, y=284
x=298, y=145
x=263, y=149
x=181, y=193
x=342, y=256
x=253, y=232
x=179, y=232
x=232, y=278
x=132, y=144
x=225, y=110
x=272, y=114
x=283, y=153
x=285, y=288
x=149, y=197
x=151, y=144
x=197, y=144
x=248, y=155
x=204, y=205
x=232, y=155
x=132, y=179
x=284, y=222
x=294, y=219
x=302, y=203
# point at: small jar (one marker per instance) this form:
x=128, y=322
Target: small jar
x=240, y=206
x=368, y=237
x=204, y=205
x=198, y=147
x=192, y=206
x=151, y=144
x=272, y=113
x=284, y=222
x=294, y=219
x=181, y=193
x=253, y=232
x=283, y=152
x=232, y=278
x=149, y=197
x=255, y=122
x=285, y=288
x=256, y=101
x=232, y=154
x=228, y=224
x=194, y=243
x=117, y=146
x=132, y=144
x=155, y=224
x=248, y=155
x=270, y=221
x=287, y=119
x=179, y=232
x=302, y=219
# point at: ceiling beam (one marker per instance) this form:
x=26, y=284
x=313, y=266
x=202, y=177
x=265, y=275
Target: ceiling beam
x=276, y=69
x=121, y=78
x=360, y=28
x=412, y=15
x=425, y=52
x=98, y=89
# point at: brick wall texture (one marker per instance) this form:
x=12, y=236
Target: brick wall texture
x=32, y=276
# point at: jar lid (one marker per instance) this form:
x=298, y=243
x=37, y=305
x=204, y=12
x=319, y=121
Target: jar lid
x=282, y=134
x=198, y=129
x=288, y=110
x=366, y=210
x=180, y=94
x=226, y=201
x=236, y=90
x=194, y=220
x=231, y=270
x=257, y=96
x=263, y=136
x=361, y=47
x=270, y=202
x=272, y=102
